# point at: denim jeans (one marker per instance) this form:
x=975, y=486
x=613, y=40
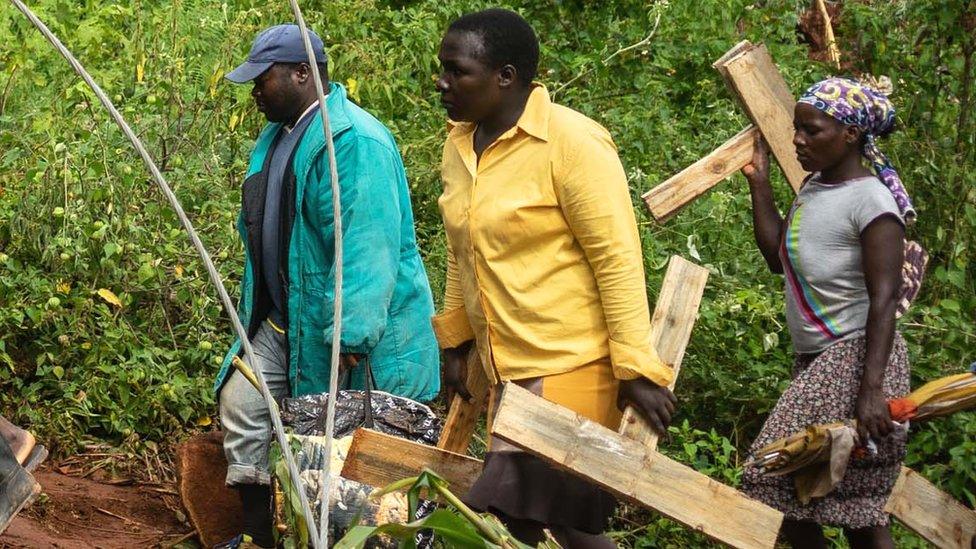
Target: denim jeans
x=244, y=415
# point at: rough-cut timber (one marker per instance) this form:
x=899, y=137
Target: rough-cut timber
x=629, y=470
x=378, y=459
x=759, y=88
x=769, y=103
x=674, y=317
x=931, y=513
x=463, y=416
x=719, y=63
x=667, y=198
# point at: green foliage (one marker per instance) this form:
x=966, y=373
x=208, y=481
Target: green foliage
x=78, y=212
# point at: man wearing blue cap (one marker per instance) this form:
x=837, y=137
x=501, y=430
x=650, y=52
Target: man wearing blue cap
x=288, y=287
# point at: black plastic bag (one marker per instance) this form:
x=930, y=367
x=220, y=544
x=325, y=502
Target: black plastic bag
x=393, y=415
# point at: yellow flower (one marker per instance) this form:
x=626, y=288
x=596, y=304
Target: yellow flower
x=352, y=87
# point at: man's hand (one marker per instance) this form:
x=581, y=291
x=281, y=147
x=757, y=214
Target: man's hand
x=456, y=372
x=871, y=412
x=654, y=403
x=348, y=361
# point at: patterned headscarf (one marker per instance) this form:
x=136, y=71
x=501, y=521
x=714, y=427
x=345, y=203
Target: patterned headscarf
x=855, y=103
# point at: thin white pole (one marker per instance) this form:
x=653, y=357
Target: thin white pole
x=325, y=482
x=208, y=263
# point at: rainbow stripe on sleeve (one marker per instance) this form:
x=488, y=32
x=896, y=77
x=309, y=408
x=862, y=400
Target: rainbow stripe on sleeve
x=811, y=307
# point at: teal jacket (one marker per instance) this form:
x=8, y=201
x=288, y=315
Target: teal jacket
x=387, y=303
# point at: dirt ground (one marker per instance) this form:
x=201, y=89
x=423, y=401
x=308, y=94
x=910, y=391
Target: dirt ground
x=82, y=513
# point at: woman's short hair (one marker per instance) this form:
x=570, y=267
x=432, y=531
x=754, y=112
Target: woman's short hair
x=507, y=39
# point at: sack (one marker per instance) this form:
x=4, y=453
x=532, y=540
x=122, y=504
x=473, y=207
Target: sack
x=304, y=418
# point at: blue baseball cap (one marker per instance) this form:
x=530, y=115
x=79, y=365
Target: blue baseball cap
x=277, y=44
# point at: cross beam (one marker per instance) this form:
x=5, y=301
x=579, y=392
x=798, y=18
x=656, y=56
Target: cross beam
x=754, y=79
x=931, y=513
x=632, y=471
x=759, y=87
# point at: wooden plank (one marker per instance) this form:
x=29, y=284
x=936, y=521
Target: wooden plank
x=737, y=49
x=674, y=317
x=462, y=418
x=377, y=459
x=931, y=513
x=632, y=472
x=666, y=199
x=769, y=103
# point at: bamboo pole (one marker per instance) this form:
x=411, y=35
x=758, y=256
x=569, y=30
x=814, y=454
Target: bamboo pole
x=325, y=477
x=832, y=51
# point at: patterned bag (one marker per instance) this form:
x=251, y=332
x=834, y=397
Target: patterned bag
x=912, y=274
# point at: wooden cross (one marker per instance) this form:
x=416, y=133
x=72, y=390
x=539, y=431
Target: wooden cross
x=751, y=74
x=625, y=463
x=754, y=79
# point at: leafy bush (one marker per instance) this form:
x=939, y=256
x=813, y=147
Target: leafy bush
x=78, y=213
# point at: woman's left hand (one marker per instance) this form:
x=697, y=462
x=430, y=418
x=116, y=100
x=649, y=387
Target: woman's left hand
x=873, y=418
x=653, y=402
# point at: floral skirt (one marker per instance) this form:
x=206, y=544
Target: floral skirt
x=824, y=389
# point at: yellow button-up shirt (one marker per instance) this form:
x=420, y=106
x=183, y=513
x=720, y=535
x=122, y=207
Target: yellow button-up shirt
x=544, y=260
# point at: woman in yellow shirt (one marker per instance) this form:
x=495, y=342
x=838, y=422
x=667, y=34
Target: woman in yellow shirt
x=545, y=273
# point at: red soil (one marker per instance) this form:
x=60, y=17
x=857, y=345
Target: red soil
x=79, y=513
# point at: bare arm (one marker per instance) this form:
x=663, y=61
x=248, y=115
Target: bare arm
x=882, y=251
x=767, y=223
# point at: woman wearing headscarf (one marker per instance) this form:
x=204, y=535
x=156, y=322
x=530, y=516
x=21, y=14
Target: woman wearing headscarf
x=841, y=250
x=545, y=273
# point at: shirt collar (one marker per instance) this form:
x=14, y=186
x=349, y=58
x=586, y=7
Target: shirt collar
x=535, y=118
x=533, y=121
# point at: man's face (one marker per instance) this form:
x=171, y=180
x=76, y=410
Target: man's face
x=469, y=87
x=277, y=92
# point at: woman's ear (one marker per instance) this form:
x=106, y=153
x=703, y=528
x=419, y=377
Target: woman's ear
x=507, y=76
x=853, y=134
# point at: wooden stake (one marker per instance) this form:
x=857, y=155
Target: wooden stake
x=463, y=416
x=769, y=103
x=674, y=317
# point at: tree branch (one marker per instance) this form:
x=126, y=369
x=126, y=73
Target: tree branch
x=646, y=41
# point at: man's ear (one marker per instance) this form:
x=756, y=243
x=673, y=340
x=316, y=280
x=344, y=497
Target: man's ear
x=507, y=76
x=302, y=73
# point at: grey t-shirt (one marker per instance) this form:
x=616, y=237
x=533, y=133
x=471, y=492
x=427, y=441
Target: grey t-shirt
x=826, y=297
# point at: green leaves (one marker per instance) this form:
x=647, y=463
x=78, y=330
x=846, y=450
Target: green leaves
x=455, y=525
x=450, y=527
